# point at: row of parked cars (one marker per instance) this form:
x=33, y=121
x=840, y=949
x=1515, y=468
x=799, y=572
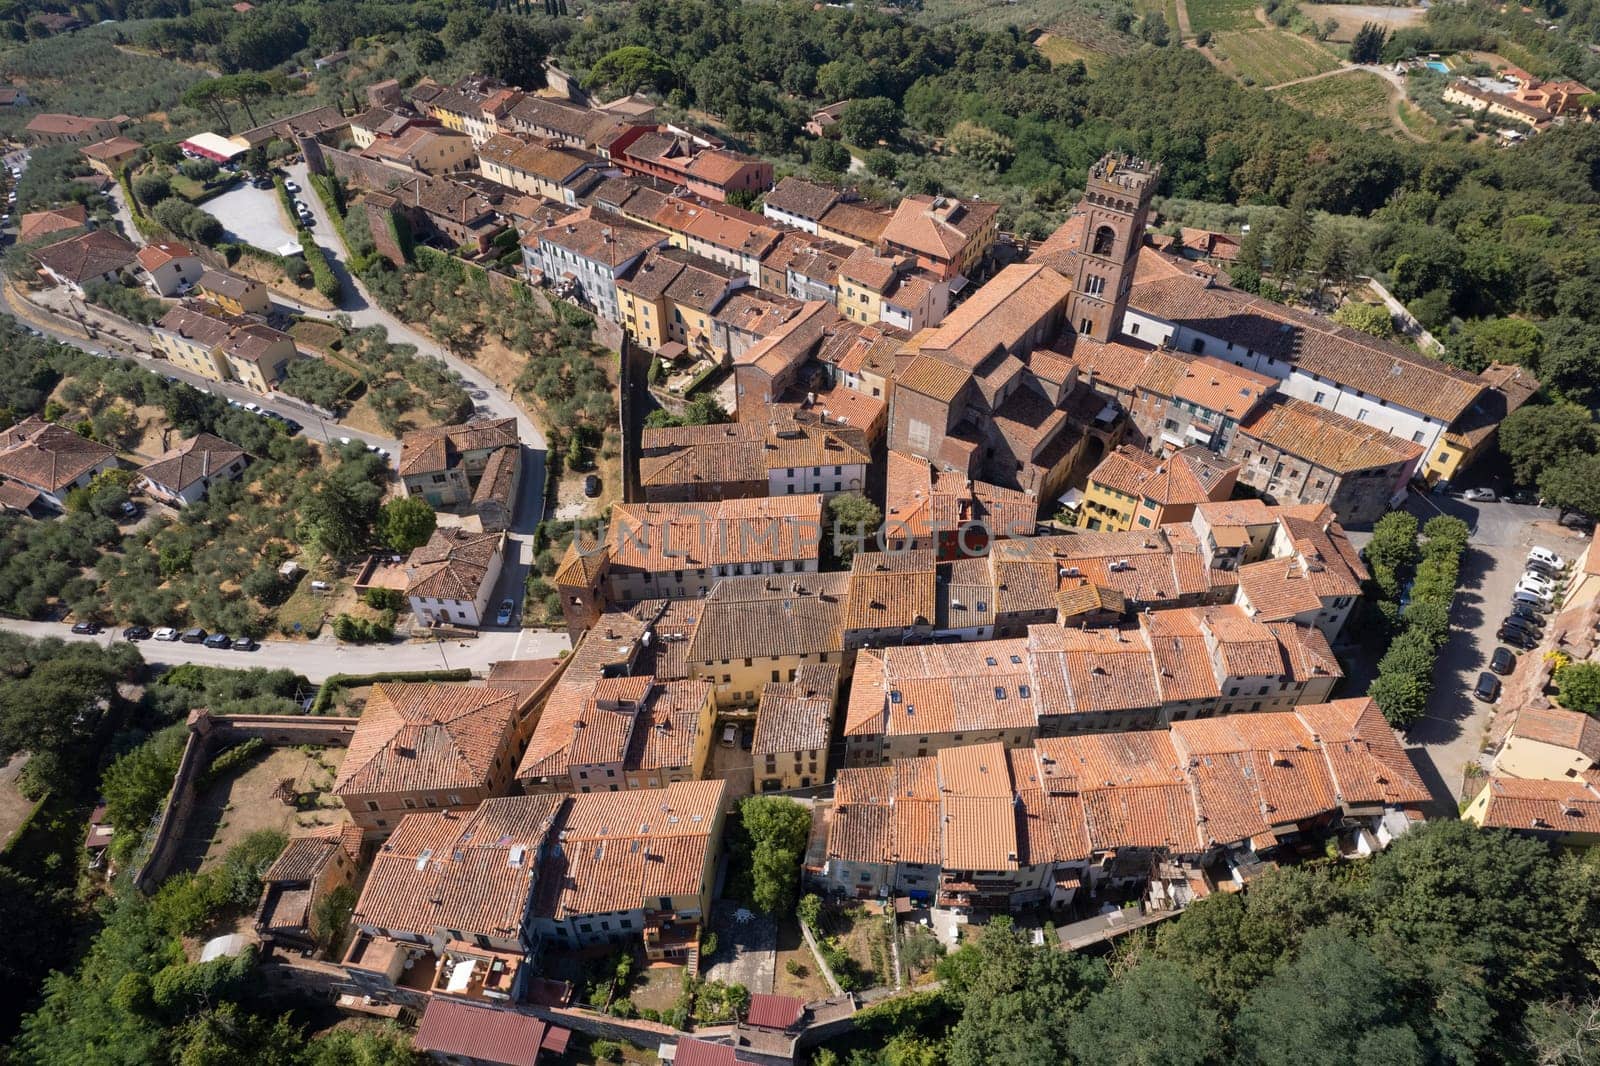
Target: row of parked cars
x=168, y=633
x=1540, y=587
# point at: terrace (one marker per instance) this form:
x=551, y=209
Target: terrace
x=477, y=973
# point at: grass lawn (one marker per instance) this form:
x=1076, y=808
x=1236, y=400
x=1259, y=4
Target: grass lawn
x=14, y=806
x=808, y=983
x=1220, y=16
x=1270, y=57
x=1061, y=51
x=1358, y=97
x=657, y=986
x=315, y=335
x=242, y=802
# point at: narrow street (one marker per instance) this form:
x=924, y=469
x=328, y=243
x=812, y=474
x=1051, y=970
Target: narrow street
x=319, y=659
x=355, y=301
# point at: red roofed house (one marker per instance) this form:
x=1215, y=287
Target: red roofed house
x=948, y=237
x=170, y=268
x=98, y=255
x=692, y=160
x=69, y=129
x=38, y=224
x=50, y=460
x=486, y=1036
x=431, y=746
x=308, y=869
x=452, y=577
x=112, y=154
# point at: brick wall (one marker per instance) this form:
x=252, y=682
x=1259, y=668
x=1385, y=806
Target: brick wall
x=208, y=734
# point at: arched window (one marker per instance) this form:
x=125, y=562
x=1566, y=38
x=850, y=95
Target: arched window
x=1104, y=238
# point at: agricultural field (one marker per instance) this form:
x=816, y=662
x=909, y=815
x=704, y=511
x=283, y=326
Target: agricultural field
x=1221, y=16
x=1061, y=51
x=1351, y=16
x=1358, y=97
x=1270, y=57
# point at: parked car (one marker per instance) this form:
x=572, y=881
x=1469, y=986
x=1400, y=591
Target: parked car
x=1528, y=611
x=291, y=186
x=193, y=636
x=1577, y=521
x=1537, y=583
x=1517, y=638
x=1547, y=557
x=166, y=633
x=1525, y=624
x=291, y=426
x=129, y=509
x=136, y=633
x=591, y=486
x=1487, y=689
x=730, y=735
x=503, y=617
x=747, y=737
x=1524, y=497
x=1545, y=570
x=218, y=640
x=1530, y=598
x=86, y=628
x=1479, y=495
x=245, y=644
x=1503, y=661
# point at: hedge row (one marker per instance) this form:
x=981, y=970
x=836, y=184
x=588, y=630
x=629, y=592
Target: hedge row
x=1405, y=673
x=335, y=682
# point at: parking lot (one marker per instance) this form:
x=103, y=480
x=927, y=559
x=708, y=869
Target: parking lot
x=1454, y=731
x=254, y=216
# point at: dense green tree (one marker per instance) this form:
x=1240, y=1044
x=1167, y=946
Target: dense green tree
x=778, y=829
x=1016, y=999
x=855, y=522
x=1573, y=484
x=830, y=156
x=1154, y=1014
x=1334, y=1003
x=406, y=522
x=1368, y=318
x=1368, y=44
x=1489, y=340
x=1578, y=687
x=512, y=50
x=1537, y=436
x=867, y=121
x=630, y=69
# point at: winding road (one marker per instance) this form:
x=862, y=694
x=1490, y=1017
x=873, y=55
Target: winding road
x=316, y=660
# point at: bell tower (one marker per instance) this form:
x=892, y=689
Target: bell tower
x=1115, y=204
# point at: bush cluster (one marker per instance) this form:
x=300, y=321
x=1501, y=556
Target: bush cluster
x=1405, y=673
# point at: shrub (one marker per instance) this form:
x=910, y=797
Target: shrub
x=230, y=760
x=348, y=627
x=384, y=599
x=1578, y=687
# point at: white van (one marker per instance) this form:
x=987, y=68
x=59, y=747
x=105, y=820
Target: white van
x=321, y=586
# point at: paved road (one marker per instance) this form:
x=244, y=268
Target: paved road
x=355, y=301
x=316, y=660
x=1452, y=733
x=316, y=427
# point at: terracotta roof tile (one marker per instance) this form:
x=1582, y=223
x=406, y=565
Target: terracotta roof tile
x=427, y=736
x=1325, y=438
x=453, y=565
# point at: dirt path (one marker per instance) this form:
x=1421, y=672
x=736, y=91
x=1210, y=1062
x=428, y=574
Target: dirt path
x=1311, y=77
x=1394, y=86
x=1185, y=33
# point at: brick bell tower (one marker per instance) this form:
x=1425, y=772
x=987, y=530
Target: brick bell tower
x=1115, y=203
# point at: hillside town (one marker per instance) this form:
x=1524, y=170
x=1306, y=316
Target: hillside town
x=572, y=585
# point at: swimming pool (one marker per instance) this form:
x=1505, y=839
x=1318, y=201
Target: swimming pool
x=1440, y=67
